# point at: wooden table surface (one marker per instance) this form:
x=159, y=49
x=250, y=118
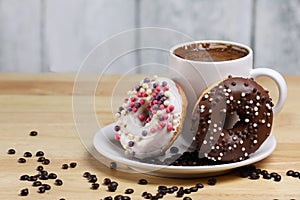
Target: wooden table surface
x=43, y=102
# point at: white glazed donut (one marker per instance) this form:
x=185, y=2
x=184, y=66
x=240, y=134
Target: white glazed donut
x=151, y=117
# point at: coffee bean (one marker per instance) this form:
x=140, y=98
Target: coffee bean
x=33, y=133
x=39, y=168
x=46, y=186
x=95, y=186
x=22, y=160
x=148, y=196
x=112, y=187
x=263, y=172
x=32, y=178
x=24, y=192
x=41, y=189
x=43, y=177
x=65, y=166
x=58, y=182
x=126, y=198
x=86, y=174
x=199, y=185
x=267, y=176
x=118, y=197
x=36, y=183
x=277, y=178
x=113, y=165
x=106, y=181
x=73, y=164
x=27, y=154
x=296, y=174
x=41, y=159
x=253, y=176
x=93, y=179
x=187, y=191
x=143, y=182
x=290, y=173
x=52, y=176
x=108, y=198
x=162, y=187
x=24, y=177
x=43, y=172
x=194, y=189
x=180, y=192
x=144, y=194
x=46, y=162
x=273, y=174
x=129, y=191
x=62, y=199
x=39, y=153
x=11, y=151
x=187, y=198
x=212, y=181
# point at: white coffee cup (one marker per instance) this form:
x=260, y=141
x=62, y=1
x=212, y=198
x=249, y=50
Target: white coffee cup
x=201, y=74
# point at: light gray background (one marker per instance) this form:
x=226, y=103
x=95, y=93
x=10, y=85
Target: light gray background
x=56, y=35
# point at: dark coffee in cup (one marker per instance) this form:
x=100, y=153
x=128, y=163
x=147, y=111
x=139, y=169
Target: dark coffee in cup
x=210, y=52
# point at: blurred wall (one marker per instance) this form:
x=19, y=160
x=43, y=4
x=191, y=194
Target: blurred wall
x=56, y=35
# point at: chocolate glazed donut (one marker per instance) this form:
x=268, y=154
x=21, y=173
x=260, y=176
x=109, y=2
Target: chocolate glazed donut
x=235, y=96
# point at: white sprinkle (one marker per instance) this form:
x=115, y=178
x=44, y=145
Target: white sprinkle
x=241, y=141
x=239, y=102
x=221, y=154
x=228, y=102
x=226, y=94
x=255, y=108
x=268, y=114
x=234, y=138
x=215, y=125
x=224, y=90
x=247, y=120
x=220, y=86
x=247, y=112
x=257, y=97
x=263, y=121
x=241, y=158
x=246, y=154
x=219, y=158
x=218, y=147
x=167, y=93
x=243, y=149
x=208, y=121
x=229, y=90
x=213, y=147
x=204, y=142
x=268, y=125
x=206, y=96
x=214, y=130
x=211, y=137
x=251, y=101
x=229, y=148
x=210, y=110
x=254, y=125
x=123, y=112
x=254, y=141
x=222, y=134
x=247, y=107
x=256, y=113
x=243, y=94
x=202, y=110
x=258, y=104
x=234, y=146
x=210, y=99
x=205, y=154
x=231, y=98
x=202, y=106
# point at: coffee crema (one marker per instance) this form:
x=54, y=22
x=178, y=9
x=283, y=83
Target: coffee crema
x=210, y=52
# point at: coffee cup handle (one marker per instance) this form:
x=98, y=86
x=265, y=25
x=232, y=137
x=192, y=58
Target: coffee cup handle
x=280, y=82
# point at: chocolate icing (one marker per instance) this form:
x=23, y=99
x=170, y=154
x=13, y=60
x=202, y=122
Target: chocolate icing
x=234, y=96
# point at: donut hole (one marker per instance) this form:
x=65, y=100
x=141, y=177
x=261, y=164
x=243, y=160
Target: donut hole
x=230, y=120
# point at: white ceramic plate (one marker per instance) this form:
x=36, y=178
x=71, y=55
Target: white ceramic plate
x=106, y=145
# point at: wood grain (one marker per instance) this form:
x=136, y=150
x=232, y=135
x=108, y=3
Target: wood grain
x=44, y=103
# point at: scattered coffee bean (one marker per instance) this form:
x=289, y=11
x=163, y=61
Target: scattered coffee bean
x=65, y=166
x=43, y=172
x=24, y=192
x=175, y=188
x=95, y=186
x=290, y=173
x=113, y=165
x=24, y=177
x=143, y=182
x=41, y=189
x=148, y=196
x=108, y=198
x=39, y=168
x=129, y=191
x=41, y=159
x=33, y=133
x=21, y=160
x=39, y=153
x=194, y=189
x=254, y=176
x=296, y=174
x=58, y=182
x=187, y=191
x=11, y=151
x=267, y=176
x=106, y=181
x=43, y=177
x=52, y=176
x=162, y=187
x=73, y=164
x=86, y=174
x=125, y=198
x=187, y=198
x=93, y=179
x=199, y=185
x=180, y=192
x=212, y=181
x=62, y=199
x=32, y=178
x=159, y=195
x=277, y=178
x=46, y=161
x=36, y=183
x=27, y=154
x=263, y=172
x=46, y=186
x=112, y=187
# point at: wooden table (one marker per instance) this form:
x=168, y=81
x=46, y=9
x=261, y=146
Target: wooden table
x=43, y=102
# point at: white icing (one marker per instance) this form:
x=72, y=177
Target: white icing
x=131, y=126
